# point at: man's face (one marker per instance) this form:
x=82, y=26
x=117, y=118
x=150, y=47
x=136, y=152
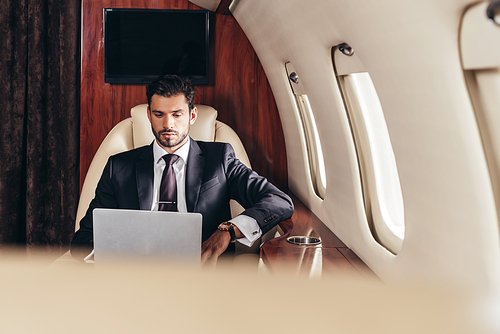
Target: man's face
x=171, y=120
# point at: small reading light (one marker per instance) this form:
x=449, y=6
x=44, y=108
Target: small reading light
x=294, y=77
x=493, y=12
x=346, y=49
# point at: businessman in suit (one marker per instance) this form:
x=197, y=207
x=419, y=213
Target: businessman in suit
x=207, y=176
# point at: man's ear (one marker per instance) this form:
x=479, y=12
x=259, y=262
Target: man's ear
x=193, y=116
x=149, y=114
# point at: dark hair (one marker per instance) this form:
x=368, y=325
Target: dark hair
x=171, y=85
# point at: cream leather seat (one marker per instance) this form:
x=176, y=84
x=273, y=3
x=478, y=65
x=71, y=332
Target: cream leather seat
x=135, y=131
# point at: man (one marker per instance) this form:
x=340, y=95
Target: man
x=207, y=176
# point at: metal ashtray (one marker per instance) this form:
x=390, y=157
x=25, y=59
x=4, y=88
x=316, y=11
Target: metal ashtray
x=302, y=240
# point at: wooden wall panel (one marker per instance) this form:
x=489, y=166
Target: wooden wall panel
x=239, y=90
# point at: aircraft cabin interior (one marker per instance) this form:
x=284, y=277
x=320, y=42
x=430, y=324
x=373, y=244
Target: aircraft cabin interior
x=380, y=119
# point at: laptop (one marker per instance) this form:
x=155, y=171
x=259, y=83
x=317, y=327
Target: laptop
x=152, y=236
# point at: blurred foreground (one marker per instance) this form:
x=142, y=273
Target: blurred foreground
x=39, y=296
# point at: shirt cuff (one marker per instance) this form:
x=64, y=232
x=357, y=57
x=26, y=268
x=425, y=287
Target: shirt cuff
x=248, y=227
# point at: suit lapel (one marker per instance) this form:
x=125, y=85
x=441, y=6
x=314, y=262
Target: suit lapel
x=194, y=175
x=144, y=178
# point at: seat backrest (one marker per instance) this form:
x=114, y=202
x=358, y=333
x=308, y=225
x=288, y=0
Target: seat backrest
x=135, y=131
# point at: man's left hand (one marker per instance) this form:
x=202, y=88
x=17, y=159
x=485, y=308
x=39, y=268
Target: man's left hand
x=212, y=248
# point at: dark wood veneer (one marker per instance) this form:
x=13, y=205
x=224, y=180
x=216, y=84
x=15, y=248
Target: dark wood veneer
x=331, y=257
x=239, y=90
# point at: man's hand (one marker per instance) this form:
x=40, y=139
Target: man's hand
x=212, y=248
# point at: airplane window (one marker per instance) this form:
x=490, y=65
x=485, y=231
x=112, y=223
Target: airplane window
x=482, y=74
x=379, y=174
x=311, y=127
x=313, y=142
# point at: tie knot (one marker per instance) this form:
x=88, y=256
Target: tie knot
x=170, y=158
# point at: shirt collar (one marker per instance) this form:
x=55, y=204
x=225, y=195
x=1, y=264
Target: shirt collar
x=182, y=152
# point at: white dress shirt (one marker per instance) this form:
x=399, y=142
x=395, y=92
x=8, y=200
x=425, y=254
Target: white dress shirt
x=247, y=225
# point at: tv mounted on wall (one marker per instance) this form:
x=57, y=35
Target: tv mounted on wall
x=141, y=44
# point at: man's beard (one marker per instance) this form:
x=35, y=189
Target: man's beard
x=170, y=142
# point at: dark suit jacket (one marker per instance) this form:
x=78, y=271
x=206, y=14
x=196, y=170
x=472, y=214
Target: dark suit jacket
x=213, y=177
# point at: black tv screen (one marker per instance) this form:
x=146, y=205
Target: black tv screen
x=141, y=44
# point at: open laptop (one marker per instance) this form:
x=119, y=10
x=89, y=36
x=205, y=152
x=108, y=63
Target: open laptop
x=139, y=235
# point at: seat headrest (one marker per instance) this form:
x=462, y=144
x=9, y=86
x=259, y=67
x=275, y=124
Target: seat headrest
x=203, y=129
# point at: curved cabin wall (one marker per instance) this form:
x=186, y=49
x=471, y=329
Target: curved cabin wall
x=239, y=90
x=411, y=51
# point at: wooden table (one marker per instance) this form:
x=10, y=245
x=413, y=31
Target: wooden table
x=331, y=257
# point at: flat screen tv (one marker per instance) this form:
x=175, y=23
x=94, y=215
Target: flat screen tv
x=141, y=44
